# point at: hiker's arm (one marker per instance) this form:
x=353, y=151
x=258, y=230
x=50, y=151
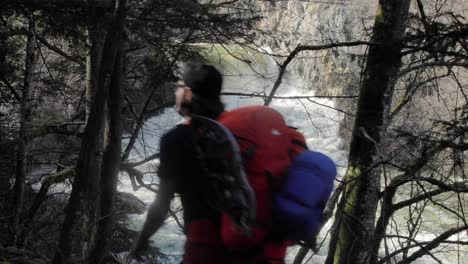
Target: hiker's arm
x=160, y=207
x=156, y=214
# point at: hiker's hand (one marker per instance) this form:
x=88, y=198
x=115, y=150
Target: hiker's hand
x=310, y=244
x=140, y=246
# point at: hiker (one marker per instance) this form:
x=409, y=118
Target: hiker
x=179, y=171
x=250, y=187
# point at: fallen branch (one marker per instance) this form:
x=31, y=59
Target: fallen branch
x=40, y=197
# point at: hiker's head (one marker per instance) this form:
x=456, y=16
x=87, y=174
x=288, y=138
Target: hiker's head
x=199, y=89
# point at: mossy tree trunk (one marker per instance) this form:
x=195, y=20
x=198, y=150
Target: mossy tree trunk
x=355, y=219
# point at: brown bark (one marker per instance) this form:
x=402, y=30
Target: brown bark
x=110, y=168
x=94, y=94
x=96, y=38
x=351, y=241
x=88, y=166
x=25, y=120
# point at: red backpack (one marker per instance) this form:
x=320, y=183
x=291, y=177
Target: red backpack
x=268, y=146
x=246, y=154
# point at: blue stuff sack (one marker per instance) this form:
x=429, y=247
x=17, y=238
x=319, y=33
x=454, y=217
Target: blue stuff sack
x=303, y=196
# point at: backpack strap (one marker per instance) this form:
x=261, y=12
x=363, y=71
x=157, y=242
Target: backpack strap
x=299, y=143
x=250, y=151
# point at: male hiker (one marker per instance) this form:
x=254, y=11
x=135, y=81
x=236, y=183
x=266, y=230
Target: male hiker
x=179, y=171
x=290, y=184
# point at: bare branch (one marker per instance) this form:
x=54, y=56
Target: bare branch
x=60, y=52
x=300, y=48
x=148, y=159
x=403, y=249
x=433, y=244
x=411, y=90
x=41, y=196
x=456, y=242
x=66, y=128
x=459, y=33
x=138, y=176
x=448, y=64
x=130, y=106
x=143, y=114
x=292, y=97
x=457, y=146
x=174, y=215
x=400, y=180
x=10, y=87
x=336, y=109
x=417, y=199
x=423, y=15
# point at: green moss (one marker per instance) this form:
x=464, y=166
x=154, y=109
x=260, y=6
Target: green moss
x=352, y=174
x=401, y=103
x=380, y=15
x=62, y=176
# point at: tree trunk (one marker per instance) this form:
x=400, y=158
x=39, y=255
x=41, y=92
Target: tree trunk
x=352, y=237
x=25, y=120
x=88, y=166
x=87, y=171
x=110, y=168
x=90, y=187
x=96, y=38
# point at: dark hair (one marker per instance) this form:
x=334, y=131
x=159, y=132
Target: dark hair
x=204, y=80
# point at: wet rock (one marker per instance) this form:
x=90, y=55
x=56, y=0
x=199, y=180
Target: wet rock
x=129, y=203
